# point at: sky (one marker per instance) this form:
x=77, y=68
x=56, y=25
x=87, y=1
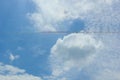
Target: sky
x=59, y=40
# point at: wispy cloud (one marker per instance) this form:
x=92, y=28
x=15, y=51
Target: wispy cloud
x=8, y=72
x=13, y=57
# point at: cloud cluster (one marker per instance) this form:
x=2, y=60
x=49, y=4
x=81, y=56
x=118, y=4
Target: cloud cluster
x=67, y=53
x=8, y=72
x=82, y=54
x=49, y=15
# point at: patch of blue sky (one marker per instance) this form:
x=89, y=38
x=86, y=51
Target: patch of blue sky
x=13, y=15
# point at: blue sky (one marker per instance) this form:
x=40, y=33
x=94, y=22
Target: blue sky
x=17, y=32
x=27, y=48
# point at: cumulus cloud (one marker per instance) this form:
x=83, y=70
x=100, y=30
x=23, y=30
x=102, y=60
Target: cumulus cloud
x=73, y=51
x=8, y=72
x=49, y=15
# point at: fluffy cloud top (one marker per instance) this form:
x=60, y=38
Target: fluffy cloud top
x=8, y=72
x=73, y=51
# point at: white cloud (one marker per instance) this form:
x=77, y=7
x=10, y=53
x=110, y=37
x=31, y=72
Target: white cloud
x=69, y=63
x=106, y=65
x=73, y=51
x=8, y=72
x=13, y=57
x=50, y=14
x=19, y=77
x=106, y=19
x=67, y=59
x=67, y=56
x=107, y=75
x=10, y=69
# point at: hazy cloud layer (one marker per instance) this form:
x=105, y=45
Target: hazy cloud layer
x=50, y=14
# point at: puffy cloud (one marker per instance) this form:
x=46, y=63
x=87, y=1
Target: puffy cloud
x=49, y=15
x=8, y=72
x=78, y=55
x=73, y=51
